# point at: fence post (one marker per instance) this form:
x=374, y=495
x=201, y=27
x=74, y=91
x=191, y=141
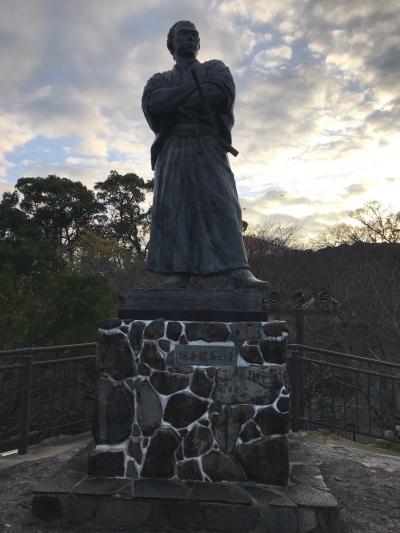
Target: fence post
x=299, y=361
x=26, y=387
x=299, y=325
x=297, y=386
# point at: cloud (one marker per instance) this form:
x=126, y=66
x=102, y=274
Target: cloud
x=355, y=189
x=256, y=11
x=317, y=110
x=273, y=58
x=281, y=198
x=310, y=212
x=14, y=132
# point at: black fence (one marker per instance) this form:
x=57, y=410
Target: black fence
x=345, y=393
x=48, y=391
x=44, y=392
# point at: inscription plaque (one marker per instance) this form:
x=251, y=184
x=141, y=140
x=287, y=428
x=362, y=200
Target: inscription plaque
x=257, y=384
x=254, y=384
x=205, y=355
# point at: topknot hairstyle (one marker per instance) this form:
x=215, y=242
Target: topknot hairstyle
x=171, y=32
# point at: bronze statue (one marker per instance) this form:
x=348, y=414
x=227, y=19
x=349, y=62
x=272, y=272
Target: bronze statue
x=196, y=227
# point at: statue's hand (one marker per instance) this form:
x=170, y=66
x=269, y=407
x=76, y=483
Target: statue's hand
x=214, y=95
x=193, y=103
x=195, y=107
x=188, y=113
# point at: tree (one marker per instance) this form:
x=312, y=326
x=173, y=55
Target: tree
x=98, y=253
x=128, y=222
x=337, y=235
x=40, y=300
x=61, y=208
x=374, y=224
x=377, y=225
x=23, y=247
x=266, y=240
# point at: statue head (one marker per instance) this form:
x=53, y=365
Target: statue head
x=183, y=39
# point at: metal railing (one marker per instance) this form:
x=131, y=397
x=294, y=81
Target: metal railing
x=44, y=391
x=349, y=394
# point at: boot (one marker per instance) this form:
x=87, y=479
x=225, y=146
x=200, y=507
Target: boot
x=175, y=281
x=242, y=278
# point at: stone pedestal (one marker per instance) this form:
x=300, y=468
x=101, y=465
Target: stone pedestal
x=121, y=504
x=190, y=425
x=191, y=400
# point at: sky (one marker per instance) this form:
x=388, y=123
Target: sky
x=317, y=108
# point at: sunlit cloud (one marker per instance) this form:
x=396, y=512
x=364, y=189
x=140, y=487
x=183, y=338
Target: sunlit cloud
x=317, y=110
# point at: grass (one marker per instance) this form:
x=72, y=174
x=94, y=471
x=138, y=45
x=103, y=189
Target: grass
x=326, y=434
x=322, y=432
x=389, y=446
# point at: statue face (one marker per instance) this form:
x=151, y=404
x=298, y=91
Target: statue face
x=186, y=41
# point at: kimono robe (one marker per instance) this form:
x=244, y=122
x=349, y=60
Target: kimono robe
x=196, y=223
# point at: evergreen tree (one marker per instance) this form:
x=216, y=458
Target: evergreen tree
x=128, y=222
x=63, y=209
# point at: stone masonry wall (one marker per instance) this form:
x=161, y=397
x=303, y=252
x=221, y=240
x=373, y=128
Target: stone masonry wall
x=155, y=418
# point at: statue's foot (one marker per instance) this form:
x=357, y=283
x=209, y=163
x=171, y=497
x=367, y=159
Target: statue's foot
x=242, y=278
x=176, y=281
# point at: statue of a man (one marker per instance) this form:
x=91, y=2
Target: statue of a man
x=196, y=227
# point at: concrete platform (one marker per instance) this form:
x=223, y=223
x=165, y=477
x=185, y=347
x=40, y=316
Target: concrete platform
x=304, y=506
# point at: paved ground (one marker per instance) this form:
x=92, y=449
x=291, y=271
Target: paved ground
x=365, y=480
